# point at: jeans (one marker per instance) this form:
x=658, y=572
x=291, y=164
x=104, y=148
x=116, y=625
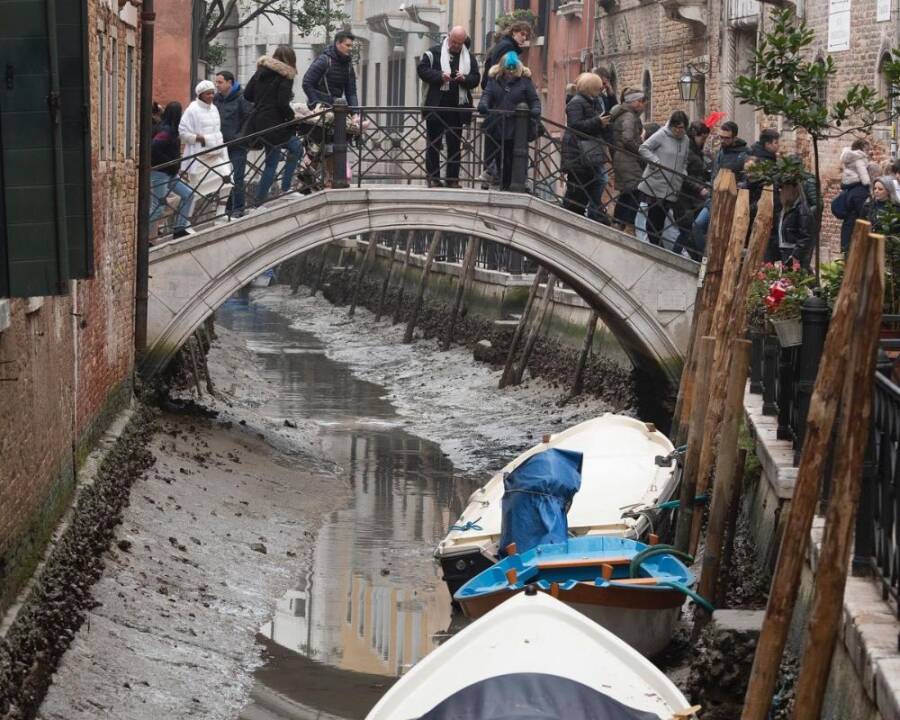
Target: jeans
x=291, y=160
x=439, y=127
x=601, y=178
x=626, y=207
x=657, y=213
x=701, y=227
x=238, y=158
x=161, y=184
x=857, y=195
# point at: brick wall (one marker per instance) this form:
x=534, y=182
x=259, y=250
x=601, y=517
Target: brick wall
x=66, y=362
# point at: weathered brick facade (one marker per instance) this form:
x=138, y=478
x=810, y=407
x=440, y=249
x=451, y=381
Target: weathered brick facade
x=67, y=361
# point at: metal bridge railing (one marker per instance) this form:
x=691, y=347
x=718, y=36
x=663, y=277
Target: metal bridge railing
x=378, y=145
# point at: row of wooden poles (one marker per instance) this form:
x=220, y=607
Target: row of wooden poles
x=512, y=371
x=708, y=417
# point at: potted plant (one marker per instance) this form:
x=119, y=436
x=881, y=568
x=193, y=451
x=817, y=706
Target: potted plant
x=775, y=297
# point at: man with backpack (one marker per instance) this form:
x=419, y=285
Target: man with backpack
x=449, y=72
x=331, y=75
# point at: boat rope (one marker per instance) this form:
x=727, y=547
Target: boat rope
x=471, y=525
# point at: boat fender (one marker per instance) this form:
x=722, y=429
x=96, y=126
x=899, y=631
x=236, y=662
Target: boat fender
x=687, y=713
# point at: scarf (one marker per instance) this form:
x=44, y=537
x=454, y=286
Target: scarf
x=464, y=67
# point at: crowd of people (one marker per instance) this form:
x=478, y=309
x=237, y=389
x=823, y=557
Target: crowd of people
x=645, y=179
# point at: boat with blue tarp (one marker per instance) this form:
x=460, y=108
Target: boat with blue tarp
x=633, y=589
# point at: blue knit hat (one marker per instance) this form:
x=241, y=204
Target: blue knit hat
x=511, y=60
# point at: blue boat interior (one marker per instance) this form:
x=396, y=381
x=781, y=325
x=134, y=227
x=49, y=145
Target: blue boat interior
x=581, y=560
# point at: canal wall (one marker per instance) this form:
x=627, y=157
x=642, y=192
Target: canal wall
x=865, y=673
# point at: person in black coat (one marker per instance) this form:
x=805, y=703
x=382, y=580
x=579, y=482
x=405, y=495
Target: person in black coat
x=509, y=85
x=270, y=90
x=234, y=111
x=450, y=72
x=331, y=75
x=165, y=162
x=584, y=152
x=795, y=230
x=694, y=191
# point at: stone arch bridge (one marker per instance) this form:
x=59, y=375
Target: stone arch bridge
x=644, y=294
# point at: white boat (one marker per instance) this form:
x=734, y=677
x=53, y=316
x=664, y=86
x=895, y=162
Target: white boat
x=534, y=652
x=619, y=477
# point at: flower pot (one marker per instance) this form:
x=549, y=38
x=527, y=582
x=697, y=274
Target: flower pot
x=789, y=332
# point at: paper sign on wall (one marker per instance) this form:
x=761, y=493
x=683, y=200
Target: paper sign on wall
x=838, y=25
x=883, y=11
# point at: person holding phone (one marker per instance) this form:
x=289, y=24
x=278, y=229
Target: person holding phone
x=450, y=72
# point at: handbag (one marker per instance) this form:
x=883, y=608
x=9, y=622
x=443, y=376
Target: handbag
x=840, y=205
x=592, y=151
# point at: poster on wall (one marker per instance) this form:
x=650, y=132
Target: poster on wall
x=838, y=25
x=883, y=11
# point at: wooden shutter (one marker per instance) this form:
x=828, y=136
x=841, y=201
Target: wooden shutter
x=45, y=199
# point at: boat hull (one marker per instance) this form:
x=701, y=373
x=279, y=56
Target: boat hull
x=645, y=619
x=459, y=569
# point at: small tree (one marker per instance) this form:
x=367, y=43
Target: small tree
x=305, y=15
x=787, y=82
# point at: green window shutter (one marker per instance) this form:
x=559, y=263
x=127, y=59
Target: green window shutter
x=45, y=199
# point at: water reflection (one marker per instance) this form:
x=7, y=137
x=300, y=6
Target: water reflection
x=371, y=600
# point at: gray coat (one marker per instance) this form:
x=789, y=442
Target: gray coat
x=626, y=127
x=667, y=158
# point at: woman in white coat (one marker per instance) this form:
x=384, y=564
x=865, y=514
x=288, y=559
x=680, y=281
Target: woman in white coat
x=200, y=128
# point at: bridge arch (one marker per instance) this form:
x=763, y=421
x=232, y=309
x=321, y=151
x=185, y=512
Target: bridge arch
x=644, y=294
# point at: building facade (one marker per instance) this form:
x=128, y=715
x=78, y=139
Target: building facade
x=67, y=247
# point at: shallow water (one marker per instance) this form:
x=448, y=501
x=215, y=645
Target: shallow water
x=369, y=602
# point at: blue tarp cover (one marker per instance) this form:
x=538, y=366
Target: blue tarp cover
x=538, y=494
x=532, y=696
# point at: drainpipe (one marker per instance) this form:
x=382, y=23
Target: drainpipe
x=142, y=280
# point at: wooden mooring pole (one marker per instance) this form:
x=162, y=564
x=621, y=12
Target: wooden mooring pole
x=386, y=283
x=420, y=293
x=398, y=308
x=520, y=328
x=367, y=261
x=817, y=439
x=734, y=510
x=837, y=544
x=578, y=380
x=535, y=330
x=705, y=349
x=724, y=199
x=465, y=273
x=721, y=500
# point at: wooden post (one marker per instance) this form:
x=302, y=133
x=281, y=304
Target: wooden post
x=837, y=543
x=420, y=294
x=734, y=507
x=694, y=440
x=724, y=199
x=578, y=381
x=727, y=309
x=520, y=328
x=387, y=282
x=794, y=538
x=398, y=308
x=535, y=330
x=465, y=269
x=718, y=511
x=323, y=254
x=367, y=260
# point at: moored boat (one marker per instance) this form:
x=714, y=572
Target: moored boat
x=619, y=478
x=633, y=590
x=533, y=654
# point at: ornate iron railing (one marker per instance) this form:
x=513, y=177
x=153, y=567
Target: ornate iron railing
x=390, y=145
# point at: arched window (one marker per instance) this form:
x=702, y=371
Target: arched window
x=648, y=92
x=821, y=91
x=614, y=80
x=885, y=89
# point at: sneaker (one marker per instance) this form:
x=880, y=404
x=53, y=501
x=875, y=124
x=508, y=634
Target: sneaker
x=434, y=183
x=452, y=184
x=488, y=178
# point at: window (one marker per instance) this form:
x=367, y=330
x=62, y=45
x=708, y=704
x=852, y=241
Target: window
x=101, y=82
x=129, y=101
x=113, y=74
x=648, y=93
x=821, y=92
x=377, y=84
x=260, y=50
x=397, y=82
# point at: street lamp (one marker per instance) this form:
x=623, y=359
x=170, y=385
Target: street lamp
x=688, y=85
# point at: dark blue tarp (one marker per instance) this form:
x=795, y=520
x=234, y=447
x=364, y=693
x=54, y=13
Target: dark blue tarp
x=532, y=696
x=538, y=494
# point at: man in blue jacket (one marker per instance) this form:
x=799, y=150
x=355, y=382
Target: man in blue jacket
x=234, y=109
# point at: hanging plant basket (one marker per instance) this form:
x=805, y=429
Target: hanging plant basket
x=789, y=332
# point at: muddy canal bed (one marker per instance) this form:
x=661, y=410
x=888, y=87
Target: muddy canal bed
x=276, y=560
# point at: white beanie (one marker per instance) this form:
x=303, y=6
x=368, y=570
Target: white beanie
x=203, y=86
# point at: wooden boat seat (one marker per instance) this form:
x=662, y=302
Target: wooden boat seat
x=554, y=564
